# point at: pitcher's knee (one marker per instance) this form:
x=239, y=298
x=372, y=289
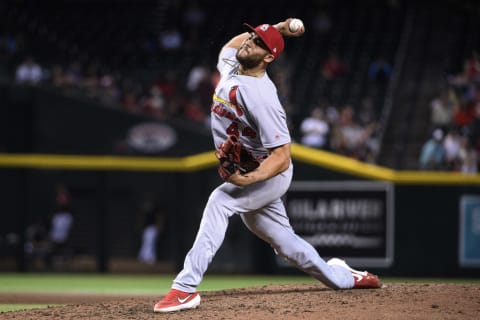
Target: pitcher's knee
x=218, y=206
x=295, y=255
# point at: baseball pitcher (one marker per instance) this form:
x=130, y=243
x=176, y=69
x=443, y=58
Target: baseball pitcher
x=252, y=144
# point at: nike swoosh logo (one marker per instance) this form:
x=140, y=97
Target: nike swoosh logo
x=357, y=276
x=184, y=299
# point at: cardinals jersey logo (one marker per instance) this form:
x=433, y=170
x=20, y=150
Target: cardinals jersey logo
x=232, y=96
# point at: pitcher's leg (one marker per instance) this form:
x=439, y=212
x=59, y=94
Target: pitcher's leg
x=225, y=200
x=272, y=225
x=210, y=236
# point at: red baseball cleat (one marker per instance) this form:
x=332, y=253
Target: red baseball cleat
x=176, y=300
x=363, y=279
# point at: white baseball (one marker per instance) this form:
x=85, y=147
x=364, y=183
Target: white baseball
x=295, y=25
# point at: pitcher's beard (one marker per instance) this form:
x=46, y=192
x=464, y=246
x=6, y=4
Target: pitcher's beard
x=248, y=62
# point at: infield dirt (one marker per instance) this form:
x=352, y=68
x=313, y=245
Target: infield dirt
x=309, y=301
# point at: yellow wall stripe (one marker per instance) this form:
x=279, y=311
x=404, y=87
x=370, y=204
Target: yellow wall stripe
x=347, y=165
x=82, y=162
x=206, y=160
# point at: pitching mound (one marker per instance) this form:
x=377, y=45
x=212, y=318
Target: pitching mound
x=395, y=301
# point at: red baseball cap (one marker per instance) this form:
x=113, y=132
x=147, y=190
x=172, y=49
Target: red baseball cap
x=272, y=38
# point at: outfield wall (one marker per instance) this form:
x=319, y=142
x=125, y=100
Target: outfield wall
x=108, y=217
x=109, y=191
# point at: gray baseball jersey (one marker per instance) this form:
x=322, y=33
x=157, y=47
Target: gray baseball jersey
x=249, y=108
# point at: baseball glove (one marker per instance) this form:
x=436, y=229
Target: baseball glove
x=233, y=156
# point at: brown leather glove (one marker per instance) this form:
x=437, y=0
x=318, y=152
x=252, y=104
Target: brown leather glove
x=233, y=156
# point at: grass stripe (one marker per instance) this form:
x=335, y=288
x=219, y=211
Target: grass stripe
x=19, y=307
x=128, y=284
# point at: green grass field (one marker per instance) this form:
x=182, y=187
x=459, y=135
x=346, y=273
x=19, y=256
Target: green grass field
x=144, y=284
x=154, y=285
x=128, y=284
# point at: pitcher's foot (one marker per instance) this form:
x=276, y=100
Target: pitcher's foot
x=176, y=300
x=363, y=279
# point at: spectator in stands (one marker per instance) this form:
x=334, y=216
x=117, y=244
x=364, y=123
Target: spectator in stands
x=198, y=74
x=148, y=248
x=109, y=93
x=366, y=113
x=131, y=92
x=464, y=113
x=60, y=228
x=57, y=78
x=452, y=143
x=468, y=75
x=432, y=155
x=130, y=101
x=348, y=137
x=332, y=114
x=468, y=160
x=474, y=129
x=315, y=129
x=367, y=118
x=441, y=110
x=171, y=40
x=333, y=67
x=204, y=92
x=90, y=83
x=168, y=84
x=199, y=84
x=380, y=71
x=29, y=72
x=154, y=104
x=471, y=67
x=175, y=104
x=153, y=225
x=37, y=246
x=73, y=74
x=193, y=110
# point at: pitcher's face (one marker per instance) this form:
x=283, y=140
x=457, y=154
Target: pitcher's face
x=252, y=52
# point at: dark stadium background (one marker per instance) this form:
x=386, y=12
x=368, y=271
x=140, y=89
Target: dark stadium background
x=117, y=42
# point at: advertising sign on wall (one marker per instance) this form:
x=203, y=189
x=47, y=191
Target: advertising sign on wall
x=352, y=220
x=469, y=251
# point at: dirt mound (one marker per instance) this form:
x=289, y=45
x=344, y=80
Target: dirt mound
x=310, y=301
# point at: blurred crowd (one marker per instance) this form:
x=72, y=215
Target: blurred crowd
x=166, y=96
x=454, y=144
x=349, y=130
x=183, y=90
